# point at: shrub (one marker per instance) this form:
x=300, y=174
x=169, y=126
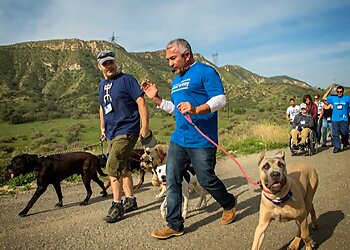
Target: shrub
x=22, y=180
x=37, y=134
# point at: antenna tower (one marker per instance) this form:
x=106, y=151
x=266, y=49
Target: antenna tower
x=215, y=58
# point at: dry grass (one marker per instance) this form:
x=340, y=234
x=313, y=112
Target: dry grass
x=248, y=138
x=270, y=133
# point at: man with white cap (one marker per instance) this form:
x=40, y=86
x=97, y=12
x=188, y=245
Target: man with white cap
x=302, y=124
x=122, y=108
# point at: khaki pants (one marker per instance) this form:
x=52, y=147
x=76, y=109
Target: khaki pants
x=303, y=134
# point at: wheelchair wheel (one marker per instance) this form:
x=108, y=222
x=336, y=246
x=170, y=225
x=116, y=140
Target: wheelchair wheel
x=312, y=143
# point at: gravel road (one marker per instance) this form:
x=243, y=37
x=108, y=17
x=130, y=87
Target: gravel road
x=76, y=227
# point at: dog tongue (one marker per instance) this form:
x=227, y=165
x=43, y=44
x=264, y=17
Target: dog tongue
x=276, y=185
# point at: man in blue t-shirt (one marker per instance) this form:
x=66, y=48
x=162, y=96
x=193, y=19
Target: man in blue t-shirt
x=196, y=90
x=122, y=106
x=340, y=117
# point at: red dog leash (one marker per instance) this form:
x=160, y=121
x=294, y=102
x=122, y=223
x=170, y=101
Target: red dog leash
x=188, y=118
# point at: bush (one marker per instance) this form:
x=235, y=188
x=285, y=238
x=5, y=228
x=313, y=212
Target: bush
x=37, y=134
x=22, y=180
x=6, y=148
x=7, y=139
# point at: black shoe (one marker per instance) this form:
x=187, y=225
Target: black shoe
x=302, y=147
x=129, y=204
x=115, y=213
x=294, y=147
x=324, y=145
x=336, y=150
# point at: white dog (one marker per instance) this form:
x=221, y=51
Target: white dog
x=190, y=180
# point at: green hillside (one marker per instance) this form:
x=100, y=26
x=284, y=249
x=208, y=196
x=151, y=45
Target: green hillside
x=59, y=78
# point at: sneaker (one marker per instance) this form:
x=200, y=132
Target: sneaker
x=302, y=147
x=294, y=147
x=166, y=232
x=336, y=150
x=115, y=213
x=129, y=204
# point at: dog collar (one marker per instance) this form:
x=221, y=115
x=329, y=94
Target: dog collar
x=280, y=200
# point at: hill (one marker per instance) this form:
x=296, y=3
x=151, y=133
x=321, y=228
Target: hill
x=59, y=78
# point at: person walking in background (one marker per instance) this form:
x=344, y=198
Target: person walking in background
x=196, y=90
x=340, y=117
x=311, y=106
x=292, y=111
x=325, y=119
x=302, y=124
x=319, y=105
x=122, y=108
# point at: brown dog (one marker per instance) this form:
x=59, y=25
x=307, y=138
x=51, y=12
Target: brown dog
x=287, y=195
x=55, y=168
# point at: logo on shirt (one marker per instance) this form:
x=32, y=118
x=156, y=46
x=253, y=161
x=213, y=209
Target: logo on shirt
x=183, y=85
x=107, y=97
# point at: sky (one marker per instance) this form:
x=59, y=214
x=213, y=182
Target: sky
x=306, y=40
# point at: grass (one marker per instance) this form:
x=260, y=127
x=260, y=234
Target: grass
x=239, y=134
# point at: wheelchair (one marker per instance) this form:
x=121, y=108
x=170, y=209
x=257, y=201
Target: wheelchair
x=310, y=145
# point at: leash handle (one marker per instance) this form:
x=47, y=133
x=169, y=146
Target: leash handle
x=188, y=118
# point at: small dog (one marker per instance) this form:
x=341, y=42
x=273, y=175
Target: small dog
x=135, y=159
x=55, y=168
x=150, y=160
x=190, y=181
x=286, y=195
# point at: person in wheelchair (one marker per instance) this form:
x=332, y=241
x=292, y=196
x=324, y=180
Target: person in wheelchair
x=302, y=124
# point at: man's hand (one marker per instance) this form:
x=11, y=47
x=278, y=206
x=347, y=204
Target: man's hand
x=150, y=89
x=186, y=107
x=145, y=131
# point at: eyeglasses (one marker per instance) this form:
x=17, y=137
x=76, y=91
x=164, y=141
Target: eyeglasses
x=316, y=98
x=339, y=91
x=105, y=53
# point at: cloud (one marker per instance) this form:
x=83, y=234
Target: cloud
x=270, y=37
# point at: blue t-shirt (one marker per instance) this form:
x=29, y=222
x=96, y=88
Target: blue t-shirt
x=117, y=97
x=341, y=108
x=196, y=86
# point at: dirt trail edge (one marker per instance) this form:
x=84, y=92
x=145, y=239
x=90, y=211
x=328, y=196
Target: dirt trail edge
x=82, y=227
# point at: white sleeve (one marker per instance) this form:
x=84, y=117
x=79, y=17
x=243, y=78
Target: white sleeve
x=216, y=103
x=167, y=106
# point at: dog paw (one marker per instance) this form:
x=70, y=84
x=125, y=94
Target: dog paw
x=83, y=203
x=23, y=213
x=60, y=204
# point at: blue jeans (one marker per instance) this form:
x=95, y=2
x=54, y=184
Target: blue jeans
x=319, y=126
x=326, y=125
x=340, y=129
x=203, y=161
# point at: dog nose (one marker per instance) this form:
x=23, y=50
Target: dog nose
x=163, y=177
x=275, y=174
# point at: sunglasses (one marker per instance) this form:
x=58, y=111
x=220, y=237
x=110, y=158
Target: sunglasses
x=339, y=91
x=104, y=54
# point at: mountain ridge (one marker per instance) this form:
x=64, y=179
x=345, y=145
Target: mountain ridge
x=61, y=76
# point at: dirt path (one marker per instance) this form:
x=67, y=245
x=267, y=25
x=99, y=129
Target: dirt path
x=75, y=227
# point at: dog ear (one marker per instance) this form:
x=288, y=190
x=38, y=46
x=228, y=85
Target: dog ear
x=262, y=156
x=280, y=154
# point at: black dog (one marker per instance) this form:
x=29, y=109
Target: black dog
x=55, y=168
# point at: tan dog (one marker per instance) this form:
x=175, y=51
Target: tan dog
x=286, y=195
x=150, y=160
